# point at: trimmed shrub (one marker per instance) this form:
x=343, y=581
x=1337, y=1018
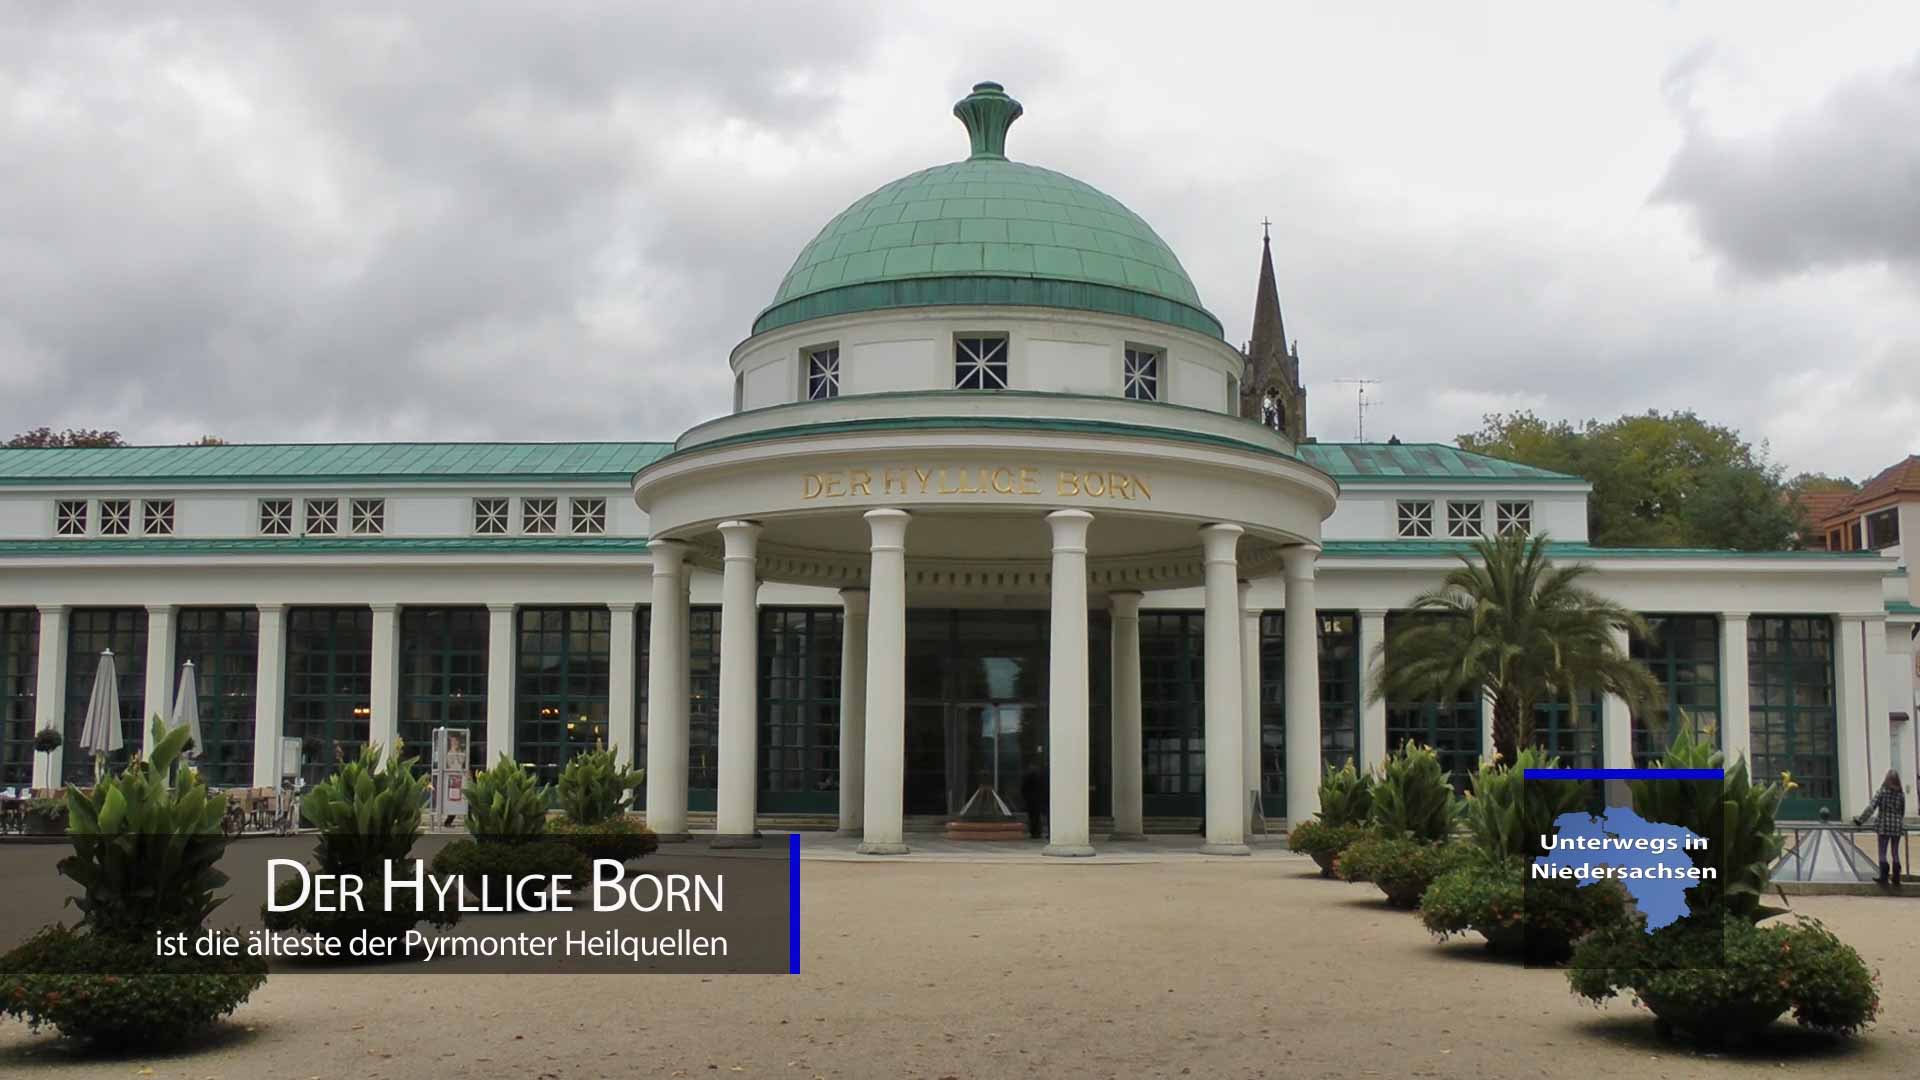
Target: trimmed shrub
x=1735, y=816
x=1400, y=868
x=1716, y=981
x=117, y=993
x=145, y=843
x=368, y=812
x=489, y=864
x=594, y=787
x=1541, y=925
x=619, y=838
x=1346, y=796
x=505, y=803
x=1323, y=842
x=1506, y=814
x=1413, y=797
x=45, y=817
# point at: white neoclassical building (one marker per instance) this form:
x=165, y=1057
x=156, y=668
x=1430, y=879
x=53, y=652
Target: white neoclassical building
x=997, y=501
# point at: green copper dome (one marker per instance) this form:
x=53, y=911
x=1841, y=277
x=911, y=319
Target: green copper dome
x=988, y=231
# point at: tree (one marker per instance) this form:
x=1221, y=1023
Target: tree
x=1511, y=625
x=208, y=440
x=1811, y=482
x=1659, y=480
x=46, y=438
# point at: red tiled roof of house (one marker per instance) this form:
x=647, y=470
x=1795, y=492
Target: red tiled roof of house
x=1902, y=478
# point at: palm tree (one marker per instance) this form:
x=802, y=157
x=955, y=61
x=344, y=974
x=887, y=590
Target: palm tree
x=1511, y=625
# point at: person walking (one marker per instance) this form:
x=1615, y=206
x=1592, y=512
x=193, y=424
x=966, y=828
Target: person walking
x=1033, y=792
x=1888, y=810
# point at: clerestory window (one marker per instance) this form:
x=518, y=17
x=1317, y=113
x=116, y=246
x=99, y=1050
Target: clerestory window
x=980, y=363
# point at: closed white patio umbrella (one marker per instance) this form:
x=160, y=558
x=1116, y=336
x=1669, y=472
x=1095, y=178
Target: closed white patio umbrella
x=101, y=734
x=186, y=710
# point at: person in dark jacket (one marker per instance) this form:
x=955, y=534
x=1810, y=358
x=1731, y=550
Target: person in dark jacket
x=1888, y=810
x=1033, y=792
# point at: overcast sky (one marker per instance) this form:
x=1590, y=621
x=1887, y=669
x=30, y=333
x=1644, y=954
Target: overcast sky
x=554, y=221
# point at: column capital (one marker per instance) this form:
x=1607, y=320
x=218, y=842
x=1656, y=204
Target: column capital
x=54, y=609
x=1070, y=530
x=889, y=528
x=1298, y=561
x=1854, y=616
x=624, y=607
x=384, y=608
x=669, y=556
x=1374, y=612
x=271, y=609
x=162, y=609
x=1246, y=595
x=740, y=538
x=854, y=601
x=1124, y=604
x=1734, y=616
x=502, y=609
x=1221, y=542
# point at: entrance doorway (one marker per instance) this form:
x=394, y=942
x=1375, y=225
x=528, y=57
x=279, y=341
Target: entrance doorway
x=976, y=706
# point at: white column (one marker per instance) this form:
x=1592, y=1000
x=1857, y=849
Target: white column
x=1128, y=817
x=269, y=695
x=1899, y=662
x=1250, y=757
x=1736, y=721
x=1853, y=742
x=503, y=661
x=50, y=693
x=1226, y=818
x=853, y=710
x=1879, y=726
x=1068, y=759
x=383, y=727
x=667, y=693
x=1303, y=684
x=1373, y=713
x=1616, y=720
x=739, y=711
x=621, y=644
x=161, y=645
x=886, y=685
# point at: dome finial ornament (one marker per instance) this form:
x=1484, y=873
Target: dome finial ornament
x=988, y=112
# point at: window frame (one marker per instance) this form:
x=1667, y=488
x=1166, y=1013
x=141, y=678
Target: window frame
x=1423, y=522
x=587, y=509
x=550, y=519
x=1477, y=523
x=983, y=363
x=1130, y=376
x=367, y=516
x=1505, y=518
x=480, y=516
x=332, y=517
x=157, y=516
x=72, y=517
x=1876, y=520
x=116, y=517
x=830, y=378
x=274, y=516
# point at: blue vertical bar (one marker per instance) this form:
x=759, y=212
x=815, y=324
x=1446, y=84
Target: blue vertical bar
x=793, y=903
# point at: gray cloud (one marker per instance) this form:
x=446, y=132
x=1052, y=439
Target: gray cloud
x=1835, y=185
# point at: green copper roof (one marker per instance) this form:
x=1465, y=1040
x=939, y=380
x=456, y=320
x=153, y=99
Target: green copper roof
x=1448, y=549
x=331, y=545
x=1377, y=462
x=988, y=231
x=252, y=463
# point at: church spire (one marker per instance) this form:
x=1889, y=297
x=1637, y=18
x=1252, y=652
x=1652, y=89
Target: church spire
x=1271, y=392
x=1269, y=332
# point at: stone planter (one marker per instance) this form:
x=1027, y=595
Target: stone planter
x=1327, y=861
x=1728, y=1024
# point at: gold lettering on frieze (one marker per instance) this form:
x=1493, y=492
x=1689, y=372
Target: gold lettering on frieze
x=996, y=481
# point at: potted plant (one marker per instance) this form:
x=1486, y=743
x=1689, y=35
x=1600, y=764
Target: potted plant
x=146, y=844
x=1346, y=798
x=507, y=817
x=594, y=792
x=45, y=742
x=1718, y=976
x=45, y=817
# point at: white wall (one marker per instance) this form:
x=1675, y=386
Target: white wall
x=876, y=367
x=26, y=517
x=1047, y=350
x=771, y=383
x=1367, y=511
